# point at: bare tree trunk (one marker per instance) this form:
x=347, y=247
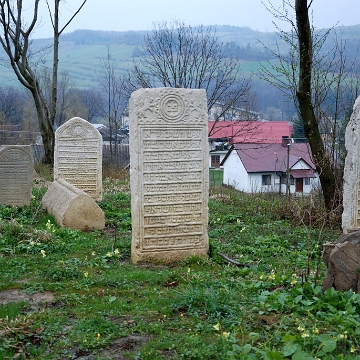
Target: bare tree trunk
x=323, y=166
x=15, y=40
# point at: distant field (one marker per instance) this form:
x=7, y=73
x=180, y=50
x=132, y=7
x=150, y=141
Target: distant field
x=82, y=51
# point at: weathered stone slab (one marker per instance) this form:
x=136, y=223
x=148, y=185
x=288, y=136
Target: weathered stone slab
x=16, y=175
x=342, y=267
x=78, y=156
x=72, y=207
x=168, y=174
x=351, y=188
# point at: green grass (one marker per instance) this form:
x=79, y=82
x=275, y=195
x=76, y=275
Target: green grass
x=105, y=307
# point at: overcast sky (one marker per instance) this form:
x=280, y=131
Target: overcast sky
x=122, y=15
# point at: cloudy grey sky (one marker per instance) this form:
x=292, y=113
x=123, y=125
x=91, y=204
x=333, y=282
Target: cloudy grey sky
x=122, y=15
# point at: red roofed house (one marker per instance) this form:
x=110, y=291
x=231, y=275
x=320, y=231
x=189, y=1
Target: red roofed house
x=255, y=167
x=222, y=134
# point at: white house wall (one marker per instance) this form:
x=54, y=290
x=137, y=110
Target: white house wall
x=256, y=182
x=235, y=174
x=301, y=165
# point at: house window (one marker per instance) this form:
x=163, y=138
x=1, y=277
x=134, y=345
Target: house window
x=283, y=179
x=307, y=181
x=215, y=160
x=266, y=179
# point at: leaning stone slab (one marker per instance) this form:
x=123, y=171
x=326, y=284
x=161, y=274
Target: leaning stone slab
x=168, y=174
x=72, y=207
x=351, y=186
x=78, y=156
x=16, y=175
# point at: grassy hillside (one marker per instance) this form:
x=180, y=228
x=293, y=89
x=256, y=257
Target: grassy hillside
x=82, y=51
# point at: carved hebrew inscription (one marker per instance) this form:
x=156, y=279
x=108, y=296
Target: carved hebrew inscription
x=16, y=175
x=169, y=173
x=78, y=156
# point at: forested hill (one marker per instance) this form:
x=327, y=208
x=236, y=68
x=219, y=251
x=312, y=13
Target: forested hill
x=82, y=51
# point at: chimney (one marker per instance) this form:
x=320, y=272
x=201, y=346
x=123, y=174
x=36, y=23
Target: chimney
x=286, y=140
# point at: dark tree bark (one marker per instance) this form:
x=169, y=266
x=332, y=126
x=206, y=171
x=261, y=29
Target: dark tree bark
x=306, y=108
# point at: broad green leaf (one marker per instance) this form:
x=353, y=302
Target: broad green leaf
x=247, y=348
x=237, y=349
x=290, y=348
x=301, y=355
x=273, y=355
x=328, y=341
x=253, y=336
x=112, y=299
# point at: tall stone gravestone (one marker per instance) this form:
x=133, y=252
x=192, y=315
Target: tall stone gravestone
x=168, y=174
x=351, y=188
x=78, y=156
x=16, y=175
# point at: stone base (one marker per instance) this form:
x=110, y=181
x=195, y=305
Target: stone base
x=165, y=257
x=72, y=207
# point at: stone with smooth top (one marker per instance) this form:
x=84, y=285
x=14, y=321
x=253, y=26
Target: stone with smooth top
x=169, y=175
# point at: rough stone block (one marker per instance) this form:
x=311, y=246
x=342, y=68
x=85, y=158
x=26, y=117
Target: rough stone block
x=72, y=207
x=343, y=265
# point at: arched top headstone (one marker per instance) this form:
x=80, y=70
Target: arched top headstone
x=16, y=175
x=78, y=156
x=80, y=129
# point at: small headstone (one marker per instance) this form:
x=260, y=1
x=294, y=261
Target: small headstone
x=16, y=175
x=78, y=156
x=351, y=185
x=72, y=207
x=169, y=176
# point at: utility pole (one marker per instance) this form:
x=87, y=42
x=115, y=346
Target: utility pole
x=287, y=169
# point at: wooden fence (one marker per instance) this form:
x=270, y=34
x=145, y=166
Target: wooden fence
x=118, y=157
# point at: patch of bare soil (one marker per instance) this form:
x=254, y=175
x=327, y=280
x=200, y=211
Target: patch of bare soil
x=131, y=343
x=116, y=351
x=15, y=295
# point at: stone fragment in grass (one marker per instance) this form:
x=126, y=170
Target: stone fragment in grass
x=72, y=207
x=342, y=264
